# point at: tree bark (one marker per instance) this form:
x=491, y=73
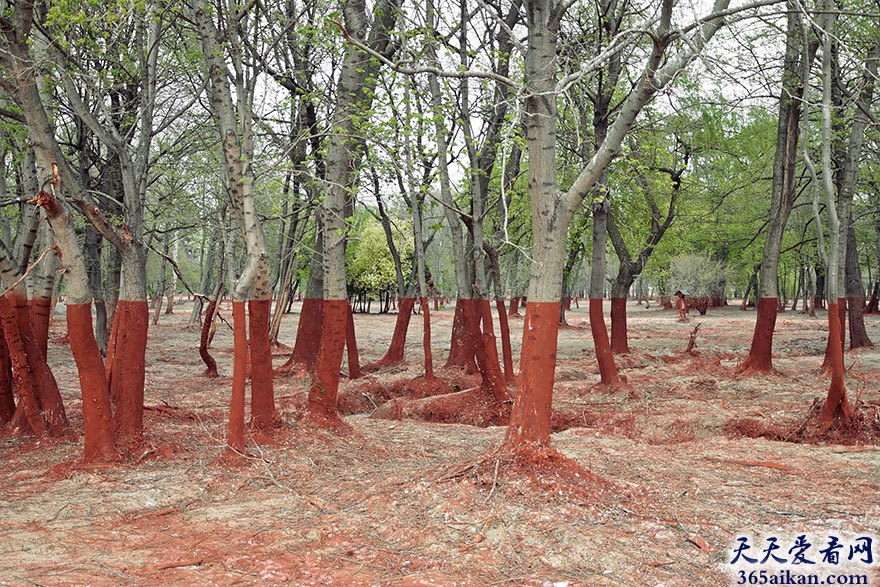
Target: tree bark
x=354, y=94
x=97, y=409
x=783, y=191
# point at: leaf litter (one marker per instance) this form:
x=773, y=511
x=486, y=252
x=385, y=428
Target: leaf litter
x=673, y=479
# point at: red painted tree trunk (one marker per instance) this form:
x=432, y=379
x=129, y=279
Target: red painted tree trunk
x=204, y=341
x=530, y=418
x=27, y=417
x=840, y=308
x=308, y=337
x=858, y=335
x=321, y=404
x=40, y=318
x=506, y=351
x=514, y=306
x=395, y=353
x=7, y=397
x=619, y=342
x=426, y=340
x=263, y=414
x=436, y=303
x=873, y=306
x=45, y=385
x=760, y=358
x=461, y=347
x=354, y=361
x=97, y=409
x=607, y=369
x=235, y=438
x=127, y=371
x=110, y=355
x=836, y=404
x=486, y=351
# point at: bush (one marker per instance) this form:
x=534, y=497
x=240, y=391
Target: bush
x=697, y=275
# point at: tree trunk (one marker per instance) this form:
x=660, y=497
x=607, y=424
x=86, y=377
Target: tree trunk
x=354, y=96
x=461, y=349
x=304, y=356
x=506, y=350
x=97, y=410
x=552, y=212
x=163, y=271
x=205, y=340
x=855, y=295
x=395, y=353
x=759, y=359
x=426, y=340
x=234, y=123
x=169, y=308
x=836, y=402
x=354, y=362
x=44, y=286
x=619, y=342
x=7, y=396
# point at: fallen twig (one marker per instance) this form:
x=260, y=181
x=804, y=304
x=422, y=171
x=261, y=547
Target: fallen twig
x=195, y=562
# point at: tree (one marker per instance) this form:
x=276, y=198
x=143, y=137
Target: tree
x=552, y=210
x=100, y=442
x=630, y=267
x=235, y=128
x=783, y=191
x=354, y=95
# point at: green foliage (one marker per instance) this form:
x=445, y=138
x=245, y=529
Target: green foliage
x=697, y=275
x=369, y=267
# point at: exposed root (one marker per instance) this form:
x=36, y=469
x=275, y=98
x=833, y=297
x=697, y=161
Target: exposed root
x=476, y=407
x=863, y=427
x=749, y=369
x=542, y=469
x=318, y=420
x=293, y=370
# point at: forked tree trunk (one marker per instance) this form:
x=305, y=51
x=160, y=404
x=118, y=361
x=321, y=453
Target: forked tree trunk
x=29, y=363
x=461, y=345
x=836, y=403
x=552, y=212
x=97, y=410
x=28, y=417
x=252, y=288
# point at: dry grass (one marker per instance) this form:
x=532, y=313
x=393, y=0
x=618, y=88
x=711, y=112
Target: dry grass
x=378, y=507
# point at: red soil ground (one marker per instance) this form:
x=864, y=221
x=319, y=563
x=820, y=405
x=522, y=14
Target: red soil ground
x=672, y=480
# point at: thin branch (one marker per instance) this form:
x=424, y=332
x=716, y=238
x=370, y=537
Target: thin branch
x=400, y=68
x=186, y=285
x=27, y=272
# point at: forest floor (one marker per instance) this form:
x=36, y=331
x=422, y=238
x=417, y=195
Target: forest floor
x=389, y=505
